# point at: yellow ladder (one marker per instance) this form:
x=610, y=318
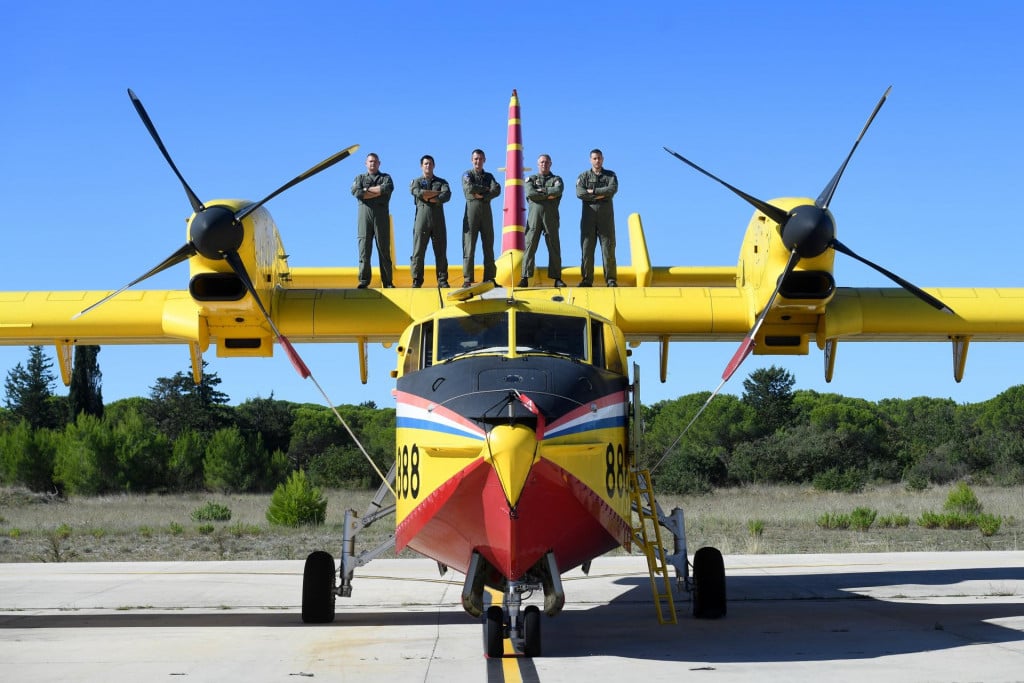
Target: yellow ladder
x=647, y=534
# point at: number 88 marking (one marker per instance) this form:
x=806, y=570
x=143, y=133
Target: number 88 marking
x=615, y=470
x=407, y=472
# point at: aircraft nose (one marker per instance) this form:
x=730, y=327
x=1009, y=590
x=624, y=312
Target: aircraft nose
x=512, y=450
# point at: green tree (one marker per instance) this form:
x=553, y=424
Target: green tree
x=296, y=502
x=996, y=447
x=269, y=417
x=86, y=463
x=769, y=392
x=179, y=404
x=85, y=392
x=926, y=437
x=142, y=453
x=29, y=391
x=185, y=469
x=27, y=457
x=318, y=435
x=697, y=461
x=314, y=430
x=234, y=463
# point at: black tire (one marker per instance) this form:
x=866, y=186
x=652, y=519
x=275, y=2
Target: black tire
x=318, y=588
x=494, y=632
x=531, y=631
x=708, y=584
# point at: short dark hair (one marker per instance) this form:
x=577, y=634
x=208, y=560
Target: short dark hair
x=478, y=151
x=374, y=155
x=425, y=157
x=596, y=151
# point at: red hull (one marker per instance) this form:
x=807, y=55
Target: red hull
x=555, y=512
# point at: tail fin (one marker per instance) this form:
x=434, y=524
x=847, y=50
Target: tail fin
x=513, y=225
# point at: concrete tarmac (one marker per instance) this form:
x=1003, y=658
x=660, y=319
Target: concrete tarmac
x=878, y=617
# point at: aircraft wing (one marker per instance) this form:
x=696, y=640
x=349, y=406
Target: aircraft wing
x=174, y=317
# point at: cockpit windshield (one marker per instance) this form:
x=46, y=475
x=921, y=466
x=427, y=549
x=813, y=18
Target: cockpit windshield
x=558, y=334
x=488, y=333
x=483, y=333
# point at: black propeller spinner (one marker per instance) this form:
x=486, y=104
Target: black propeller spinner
x=216, y=232
x=807, y=231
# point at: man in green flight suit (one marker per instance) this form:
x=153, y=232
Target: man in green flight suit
x=480, y=188
x=543, y=193
x=430, y=192
x=373, y=192
x=595, y=188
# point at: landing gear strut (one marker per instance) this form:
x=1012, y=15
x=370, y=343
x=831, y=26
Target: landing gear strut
x=518, y=624
x=511, y=619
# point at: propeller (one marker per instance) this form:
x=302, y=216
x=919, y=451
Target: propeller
x=216, y=233
x=807, y=231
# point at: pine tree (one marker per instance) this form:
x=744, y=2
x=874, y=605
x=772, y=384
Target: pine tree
x=769, y=391
x=29, y=391
x=179, y=404
x=85, y=394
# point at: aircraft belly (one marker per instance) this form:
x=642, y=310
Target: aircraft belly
x=556, y=512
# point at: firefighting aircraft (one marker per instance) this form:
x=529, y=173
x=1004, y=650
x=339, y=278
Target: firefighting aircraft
x=516, y=432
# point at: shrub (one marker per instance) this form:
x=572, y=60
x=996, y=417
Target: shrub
x=297, y=502
x=211, y=512
x=988, y=524
x=893, y=521
x=915, y=481
x=947, y=520
x=962, y=499
x=834, y=520
x=755, y=527
x=930, y=520
x=341, y=467
x=862, y=518
x=845, y=481
x=958, y=520
x=205, y=529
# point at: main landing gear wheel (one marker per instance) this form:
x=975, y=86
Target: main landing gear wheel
x=708, y=584
x=318, y=588
x=531, y=631
x=494, y=632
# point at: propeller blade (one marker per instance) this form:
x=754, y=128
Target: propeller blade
x=322, y=166
x=825, y=198
x=747, y=345
x=197, y=206
x=177, y=257
x=235, y=261
x=913, y=289
x=773, y=212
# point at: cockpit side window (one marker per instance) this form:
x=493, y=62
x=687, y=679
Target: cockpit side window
x=481, y=333
x=597, y=342
x=557, y=334
x=419, y=354
x=427, y=352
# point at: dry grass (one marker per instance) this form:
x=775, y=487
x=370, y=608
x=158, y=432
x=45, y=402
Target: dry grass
x=789, y=514
x=152, y=527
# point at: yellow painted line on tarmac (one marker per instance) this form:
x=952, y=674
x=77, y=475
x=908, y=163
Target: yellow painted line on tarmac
x=510, y=668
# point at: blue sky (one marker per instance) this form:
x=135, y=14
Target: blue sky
x=769, y=96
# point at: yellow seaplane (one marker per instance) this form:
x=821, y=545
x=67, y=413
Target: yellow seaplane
x=516, y=431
